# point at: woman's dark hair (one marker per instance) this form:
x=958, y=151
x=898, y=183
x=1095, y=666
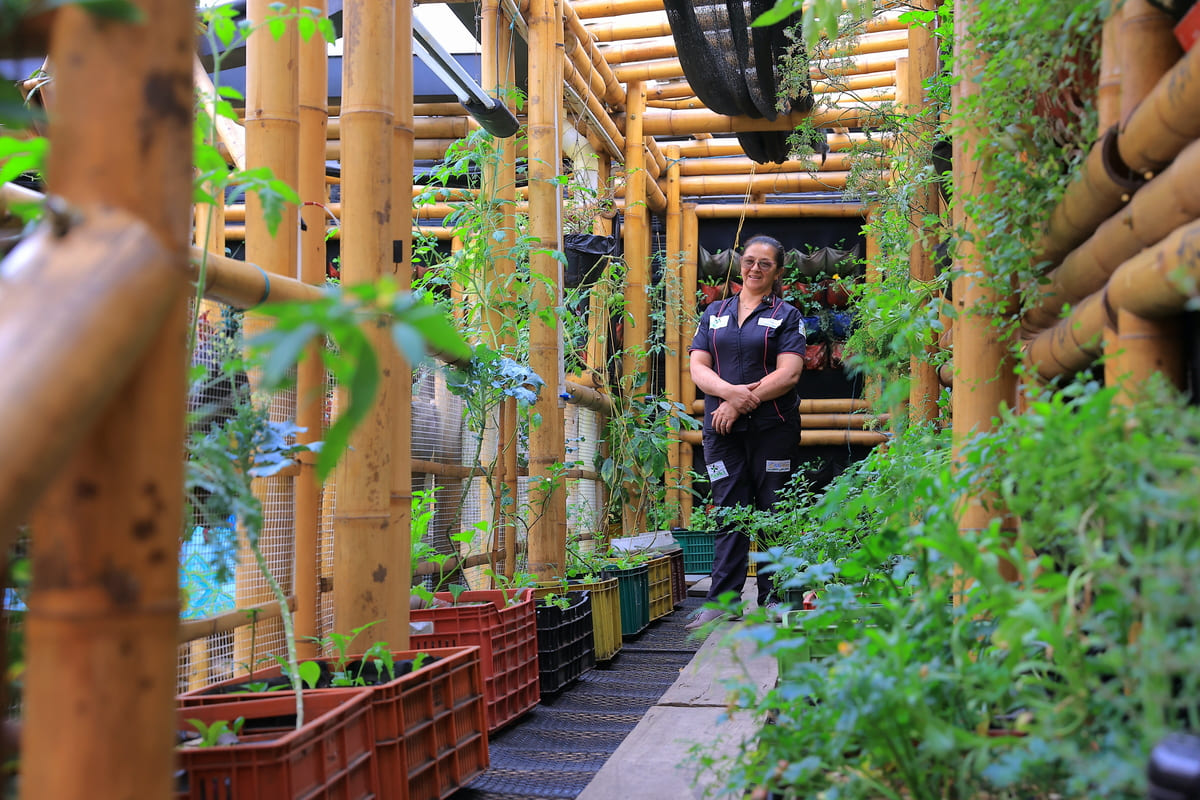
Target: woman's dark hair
x=770, y=241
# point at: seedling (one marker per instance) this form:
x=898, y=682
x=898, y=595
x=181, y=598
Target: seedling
x=217, y=734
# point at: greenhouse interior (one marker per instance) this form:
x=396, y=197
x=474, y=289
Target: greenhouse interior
x=610, y=399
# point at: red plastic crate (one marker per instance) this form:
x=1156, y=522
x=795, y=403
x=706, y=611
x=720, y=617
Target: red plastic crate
x=430, y=725
x=502, y=623
x=330, y=758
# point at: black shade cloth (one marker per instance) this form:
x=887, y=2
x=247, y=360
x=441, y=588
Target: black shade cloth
x=732, y=67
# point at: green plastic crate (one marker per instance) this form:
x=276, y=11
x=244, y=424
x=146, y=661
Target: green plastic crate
x=633, y=587
x=698, y=548
x=819, y=644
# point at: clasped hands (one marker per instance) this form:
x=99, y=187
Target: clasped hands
x=740, y=399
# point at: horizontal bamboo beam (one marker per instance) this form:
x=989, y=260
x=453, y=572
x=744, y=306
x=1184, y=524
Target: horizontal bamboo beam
x=446, y=470
x=838, y=421
x=703, y=148
x=236, y=212
x=780, y=210
x=621, y=29
x=658, y=47
x=244, y=285
x=678, y=123
x=838, y=438
x=592, y=9
x=192, y=629
x=812, y=437
x=237, y=233
x=589, y=398
x=69, y=340
x=855, y=65
x=831, y=405
x=833, y=162
x=783, y=183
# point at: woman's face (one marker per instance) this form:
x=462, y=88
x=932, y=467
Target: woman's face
x=759, y=269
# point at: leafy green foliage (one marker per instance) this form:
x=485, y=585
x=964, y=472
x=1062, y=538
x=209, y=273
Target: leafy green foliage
x=219, y=733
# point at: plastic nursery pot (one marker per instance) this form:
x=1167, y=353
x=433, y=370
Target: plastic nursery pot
x=837, y=294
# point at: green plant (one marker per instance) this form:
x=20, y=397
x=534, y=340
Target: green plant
x=378, y=655
x=217, y=734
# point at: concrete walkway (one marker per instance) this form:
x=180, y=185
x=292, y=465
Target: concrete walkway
x=654, y=762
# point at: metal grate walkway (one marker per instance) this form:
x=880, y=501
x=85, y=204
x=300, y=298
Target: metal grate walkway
x=556, y=749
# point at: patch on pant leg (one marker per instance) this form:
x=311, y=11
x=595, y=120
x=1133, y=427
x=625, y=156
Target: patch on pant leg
x=779, y=466
x=717, y=471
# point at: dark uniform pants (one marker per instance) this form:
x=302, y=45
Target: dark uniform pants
x=749, y=469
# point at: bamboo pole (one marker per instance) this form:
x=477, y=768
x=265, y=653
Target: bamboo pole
x=674, y=298
x=547, y=544
x=815, y=405
x=229, y=132
x=634, y=365
x=369, y=556
x=834, y=162
x=1165, y=121
x=924, y=388
x=107, y=261
x=100, y=632
x=272, y=143
x=1108, y=91
x=780, y=183
x=498, y=71
x=983, y=373
x=310, y=372
x=710, y=147
x=678, y=123
x=810, y=437
x=1170, y=200
x=781, y=210
x=401, y=491
x=690, y=243
x=592, y=9
x=1142, y=346
x=192, y=630
x=573, y=26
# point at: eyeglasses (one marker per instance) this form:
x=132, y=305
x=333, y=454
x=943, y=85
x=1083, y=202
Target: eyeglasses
x=763, y=263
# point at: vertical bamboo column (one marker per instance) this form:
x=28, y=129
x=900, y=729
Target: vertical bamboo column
x=272, y=142
x=547, y=496
x=1143, y=347
x=690, y=241
x=603, y=224
x=310, y=374
x=637, y=237
x=922, y=65
x=368, y=552
x=496, y=74
x=400, y=261
x=100, y=633
x=872, y=386
x=983, y=365
x=673, y=296
x=634, y=362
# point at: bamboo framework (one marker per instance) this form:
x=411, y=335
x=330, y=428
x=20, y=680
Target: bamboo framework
x=1120, y=245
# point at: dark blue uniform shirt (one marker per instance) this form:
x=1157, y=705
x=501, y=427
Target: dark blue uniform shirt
x=748, y=353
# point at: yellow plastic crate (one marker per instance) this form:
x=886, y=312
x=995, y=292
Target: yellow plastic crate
x=606, y=611
x=660, y=586
x=753, y=571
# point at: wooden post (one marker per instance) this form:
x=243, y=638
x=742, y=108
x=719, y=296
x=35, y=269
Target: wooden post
x=674, y=298
x=924, y=388
x=690, y=242
x=497, y=75
x=983, y=369
x=398, y=265
x=636, y=321
x=313, y=98
x=547, y=498
x=369, y=554
x=101, y=627
x=272, y=142
x=1139, y=347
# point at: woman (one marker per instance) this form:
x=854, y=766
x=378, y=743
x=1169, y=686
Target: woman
x=746, y=357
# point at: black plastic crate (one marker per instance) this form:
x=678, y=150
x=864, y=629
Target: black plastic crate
x=566, y=647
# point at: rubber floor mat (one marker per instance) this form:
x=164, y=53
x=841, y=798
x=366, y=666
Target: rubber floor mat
x=556, y=749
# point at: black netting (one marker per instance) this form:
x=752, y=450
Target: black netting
x=733, y=68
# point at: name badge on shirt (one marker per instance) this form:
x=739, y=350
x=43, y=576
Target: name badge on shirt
x=718, y=322
x=768, y=322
